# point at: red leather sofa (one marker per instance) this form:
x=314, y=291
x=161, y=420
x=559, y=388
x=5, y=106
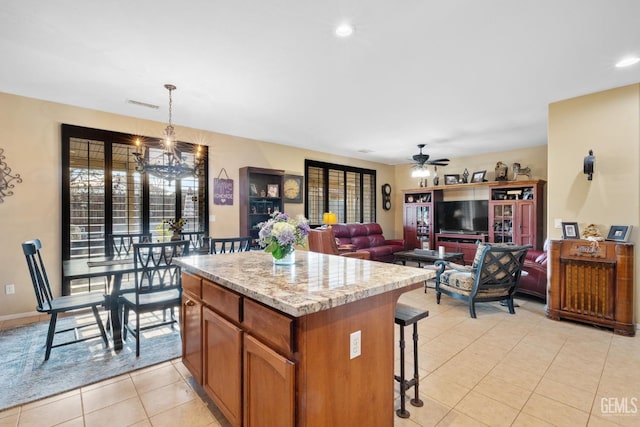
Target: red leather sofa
x=367, y=238
x=535, y=282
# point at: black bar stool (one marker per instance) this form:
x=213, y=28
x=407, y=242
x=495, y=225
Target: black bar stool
x=405, y=316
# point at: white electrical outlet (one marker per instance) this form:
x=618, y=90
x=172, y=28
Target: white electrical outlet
x=557, y=222
x=355, y=344
x=10, y=289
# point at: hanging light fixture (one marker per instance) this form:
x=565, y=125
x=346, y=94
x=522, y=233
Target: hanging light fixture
x=420, y=172
x=172, y=167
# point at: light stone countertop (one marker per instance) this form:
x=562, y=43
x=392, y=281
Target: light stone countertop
x=315, y=282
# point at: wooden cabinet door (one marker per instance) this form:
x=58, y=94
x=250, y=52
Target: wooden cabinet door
x=191, y=327
x=269, y=386
x=525, y=226
x=222, y=380
x=410, y=233
x=449, y=246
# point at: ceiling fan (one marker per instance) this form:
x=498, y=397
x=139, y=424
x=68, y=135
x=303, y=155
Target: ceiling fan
x=423, y=159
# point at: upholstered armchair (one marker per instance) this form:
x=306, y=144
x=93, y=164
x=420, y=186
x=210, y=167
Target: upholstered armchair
x=322, y=240
x=493, y=276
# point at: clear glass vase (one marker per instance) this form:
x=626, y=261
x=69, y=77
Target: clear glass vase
x=288, y=259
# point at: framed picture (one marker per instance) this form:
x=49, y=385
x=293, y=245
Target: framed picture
x=451, y=179
x=478, y=176
x=570, y=230
x=272, y=190
x=292, y=189
x=619, y=233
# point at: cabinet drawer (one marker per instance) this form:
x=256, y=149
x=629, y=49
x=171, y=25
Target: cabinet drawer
x=273, y=328
x=192, y=284
x=225, y=302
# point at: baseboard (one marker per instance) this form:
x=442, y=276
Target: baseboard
x=19, y=315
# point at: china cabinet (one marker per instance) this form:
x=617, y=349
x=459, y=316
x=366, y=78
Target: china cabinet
x=261, y=192
x=418, y=219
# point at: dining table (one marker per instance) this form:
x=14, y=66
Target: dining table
x=113, y=268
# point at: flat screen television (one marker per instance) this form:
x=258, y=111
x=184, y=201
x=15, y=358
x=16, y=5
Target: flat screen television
x=463, y=216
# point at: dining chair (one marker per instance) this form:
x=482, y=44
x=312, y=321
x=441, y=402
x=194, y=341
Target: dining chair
x=51, y=305
x=199, y=242
x=122, y=244
x=229, y=244
x=158, y=285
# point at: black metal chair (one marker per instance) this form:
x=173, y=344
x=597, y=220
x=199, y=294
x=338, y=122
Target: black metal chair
x=229, y=244
x=493, y=276
x=158, y=285
x=199, y=242
x=122, y=244
x=47, y=303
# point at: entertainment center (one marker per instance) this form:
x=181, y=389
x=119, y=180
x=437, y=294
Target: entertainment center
x=445, y=215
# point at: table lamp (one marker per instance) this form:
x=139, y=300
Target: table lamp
x=329, y=218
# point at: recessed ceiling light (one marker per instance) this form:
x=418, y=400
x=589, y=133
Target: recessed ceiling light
x=628, y=62
x=344, y=30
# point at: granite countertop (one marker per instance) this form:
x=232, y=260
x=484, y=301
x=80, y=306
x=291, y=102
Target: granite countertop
x=315, y=282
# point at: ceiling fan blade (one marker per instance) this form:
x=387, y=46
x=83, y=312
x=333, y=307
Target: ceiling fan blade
x=440, y=160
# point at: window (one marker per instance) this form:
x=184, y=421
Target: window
x=345, y=190
x=102, y=194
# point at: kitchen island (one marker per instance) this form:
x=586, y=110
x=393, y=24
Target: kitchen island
x=306, y=344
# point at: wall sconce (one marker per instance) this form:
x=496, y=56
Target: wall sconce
x=589, y=162
x=6, y=179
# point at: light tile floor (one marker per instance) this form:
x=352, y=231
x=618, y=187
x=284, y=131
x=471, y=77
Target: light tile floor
x=498, y=369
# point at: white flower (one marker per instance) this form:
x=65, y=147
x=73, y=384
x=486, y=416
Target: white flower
x=280, y=233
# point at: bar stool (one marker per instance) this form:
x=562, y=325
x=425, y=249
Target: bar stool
x=406, y=315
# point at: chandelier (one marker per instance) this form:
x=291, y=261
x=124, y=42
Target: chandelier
x=172, y=166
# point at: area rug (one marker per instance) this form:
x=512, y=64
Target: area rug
x=25, y=376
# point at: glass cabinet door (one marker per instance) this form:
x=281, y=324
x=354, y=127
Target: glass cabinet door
x=503, y=223
x=423, y=226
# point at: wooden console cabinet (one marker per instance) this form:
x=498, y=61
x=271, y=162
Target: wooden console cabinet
x=465, y=243
x=592, y=284
x=516, y=214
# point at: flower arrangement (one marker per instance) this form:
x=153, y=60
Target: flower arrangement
x=280, y=233
x=175, y=225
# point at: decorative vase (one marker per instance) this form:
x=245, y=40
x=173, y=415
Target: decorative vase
x=176, y=235
x=288, y=259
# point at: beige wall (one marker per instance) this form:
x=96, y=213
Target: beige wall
x=609, y=124
x=31, y=140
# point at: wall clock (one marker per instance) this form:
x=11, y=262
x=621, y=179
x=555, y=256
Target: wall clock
x=386, y=197
x=293, y=189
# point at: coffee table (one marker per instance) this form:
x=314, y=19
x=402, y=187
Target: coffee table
x=426, y=256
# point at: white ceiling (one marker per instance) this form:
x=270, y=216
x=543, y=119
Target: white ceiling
x=462, y=76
